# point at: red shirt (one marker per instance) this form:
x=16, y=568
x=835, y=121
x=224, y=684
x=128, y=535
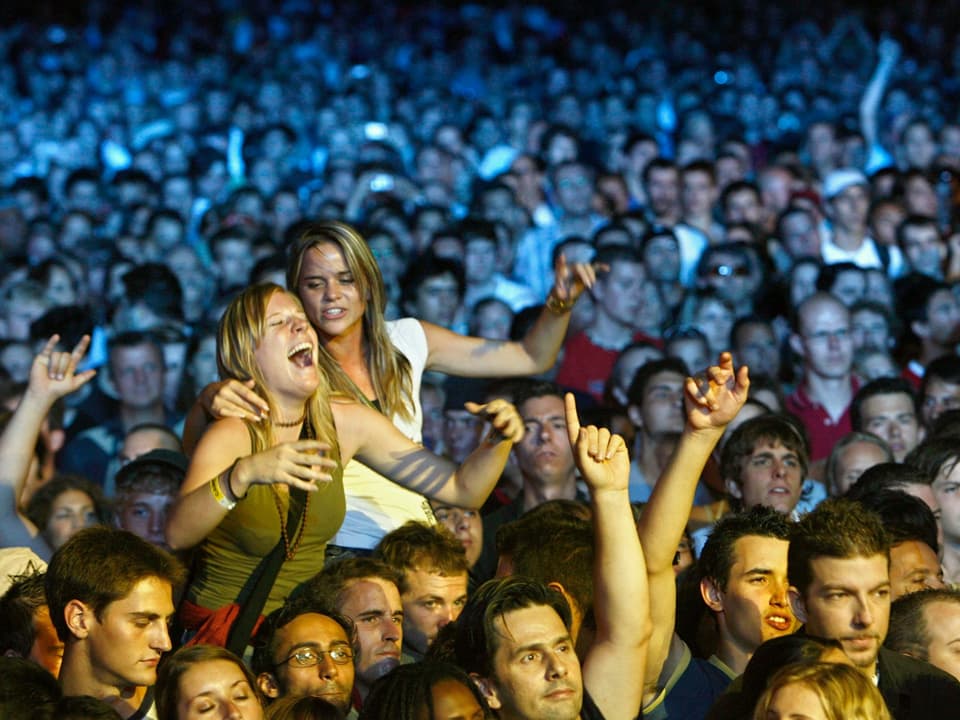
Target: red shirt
x=586, y=366
x=822, y=430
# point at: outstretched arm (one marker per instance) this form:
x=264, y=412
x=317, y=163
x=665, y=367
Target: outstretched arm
x=476, y=357
x=888, y=52
x=710, y=404
x=52, y=375
x=620, y=602
x=375, y=441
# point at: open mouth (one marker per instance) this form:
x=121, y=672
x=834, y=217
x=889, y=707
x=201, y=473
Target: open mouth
x=301, y=355
x=779, y=622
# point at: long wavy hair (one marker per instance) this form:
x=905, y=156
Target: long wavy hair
x=241, y=329
x=390, y=370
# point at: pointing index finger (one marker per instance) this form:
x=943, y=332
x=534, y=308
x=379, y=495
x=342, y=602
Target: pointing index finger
x=573, y=420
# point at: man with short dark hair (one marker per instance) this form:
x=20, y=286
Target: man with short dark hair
x=365, y=590
x=923, y=247
x=146, y=488
x=888, y=408
x=926, y=625
x=305, y=648
x=940, y=388
x=513, y=636
x=136, y=369
x=838, y=563
x=433, y=581
x=110, y=595
x=25, y=627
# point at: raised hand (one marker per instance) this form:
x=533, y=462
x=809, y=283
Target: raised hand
x=502, y=416
x=714, y=398
x=601, y=456
x=54, y=373
x=571, y=279
x=232, y=398
x=302, y=464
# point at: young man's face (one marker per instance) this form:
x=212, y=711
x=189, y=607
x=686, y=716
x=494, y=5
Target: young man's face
x=620, y=293
x=771, y=475
x=892, y=417
x=848, y=600
x=145, y=515
x=126, y=643
x=754, y=605
x=329, y=680
x=465, y=524
x=437, y=300
x=536, y=673
x=431, y=601
x=943, y=628
x=374, y=606
x=939, y=396
x=914, y=566
x=544, y=452
x=662, y=408
x=946, y=487
x=137, y=373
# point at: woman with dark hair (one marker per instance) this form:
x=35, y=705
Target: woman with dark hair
x=64, y=506
x=209, y=682
x=427, y=690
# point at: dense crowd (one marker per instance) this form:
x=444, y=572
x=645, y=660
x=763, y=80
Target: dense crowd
x=302, y=306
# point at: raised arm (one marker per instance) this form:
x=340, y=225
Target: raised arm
x=616, y=658
x=888, y=52
x=52, y=375
x=374, y=440
x=222, y=470
x=710, y=403
x=476, y=357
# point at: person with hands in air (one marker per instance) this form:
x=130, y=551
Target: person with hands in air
x=380, y=363
x=673, y=677
x=244, y=476
x=513, y=636
x=53, y=375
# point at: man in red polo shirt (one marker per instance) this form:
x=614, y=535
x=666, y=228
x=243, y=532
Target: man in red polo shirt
x=822, y=399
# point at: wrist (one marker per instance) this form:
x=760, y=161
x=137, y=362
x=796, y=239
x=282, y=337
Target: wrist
x=558, y=305
x=228, y=478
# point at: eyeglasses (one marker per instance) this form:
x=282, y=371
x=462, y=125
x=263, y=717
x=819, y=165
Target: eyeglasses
x=311, y=657
x=728, y=270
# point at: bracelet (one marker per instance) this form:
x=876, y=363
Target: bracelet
x=218, y=495
x=558, y=306
x=229, y=472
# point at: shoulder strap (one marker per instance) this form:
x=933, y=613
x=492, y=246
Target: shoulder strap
x=253, y=596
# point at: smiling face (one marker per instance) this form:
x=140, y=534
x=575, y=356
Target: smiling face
x=217, y=689
x=286, y=354
x=330, y=293
x=536, y=673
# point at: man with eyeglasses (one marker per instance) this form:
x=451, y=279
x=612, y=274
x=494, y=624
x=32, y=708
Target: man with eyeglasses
x=306, y=648
x=822, y=338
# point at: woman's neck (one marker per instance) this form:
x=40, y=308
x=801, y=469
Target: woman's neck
x=349, y=350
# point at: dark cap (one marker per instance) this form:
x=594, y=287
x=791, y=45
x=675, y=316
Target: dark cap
x=168, y=459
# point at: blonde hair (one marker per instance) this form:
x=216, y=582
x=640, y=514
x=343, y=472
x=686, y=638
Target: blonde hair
x=845, y=693
x=390, y=370
x=239, y=334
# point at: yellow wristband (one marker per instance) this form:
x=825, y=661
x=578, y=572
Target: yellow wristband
x=219, y=496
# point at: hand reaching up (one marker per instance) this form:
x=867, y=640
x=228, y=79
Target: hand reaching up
x=601, y=456
x=54, y=373
x=503, y=418
x=714, y=397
